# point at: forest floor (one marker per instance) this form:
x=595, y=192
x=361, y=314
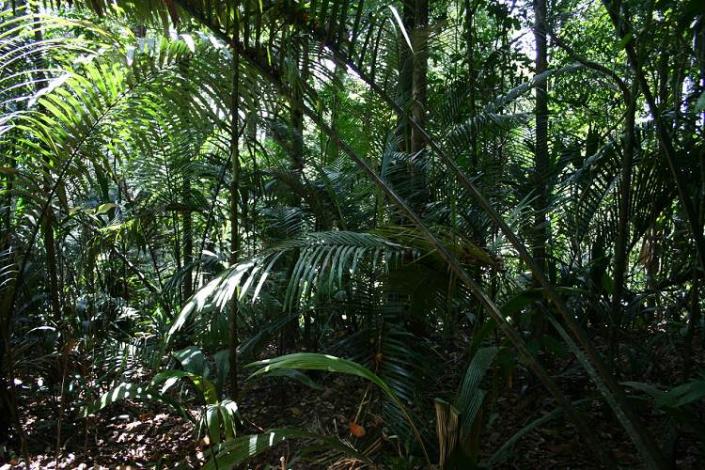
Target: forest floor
x=136, y=435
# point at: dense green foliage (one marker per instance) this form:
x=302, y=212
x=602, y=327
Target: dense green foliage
x=452, y=202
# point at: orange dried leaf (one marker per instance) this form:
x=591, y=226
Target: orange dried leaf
x=357, y=430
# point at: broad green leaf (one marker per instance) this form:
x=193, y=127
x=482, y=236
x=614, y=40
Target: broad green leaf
x=625, y=40
x=205, y=386
x=193, y=360
x=105, y=208
x=295, y=375
x=470, y=396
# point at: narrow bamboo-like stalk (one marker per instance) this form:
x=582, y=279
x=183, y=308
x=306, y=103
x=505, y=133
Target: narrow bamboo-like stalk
x=234, y=200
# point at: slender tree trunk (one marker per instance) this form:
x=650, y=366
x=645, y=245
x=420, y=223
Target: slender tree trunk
x=298, y=162
x=188, y=239
x=297, y=140
x=694, y=316
x=413, y=91
x=234, y=199
x=419, y=94
x=48, y=218
x=541, y=162
x=541, y=158
x=6, y=206
x=50, y=247
x=419, y=91
x=252, y=138
x=621, y=255
x=472, y=79
x=406, y=78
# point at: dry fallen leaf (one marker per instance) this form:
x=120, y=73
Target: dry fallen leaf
x=357, y=430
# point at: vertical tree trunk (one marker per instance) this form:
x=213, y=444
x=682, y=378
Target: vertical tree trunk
x=188, y=239
x=297, y=124
x=472, y=79
x=419, y=93
x=694, y=316
x=419, y=90
x=234, y=198
x=48, y=218
x=406, y=78
x=50, y=247
x=413, y=91
x=622, y=241
x=6, y=206
x=298, y=162
x=541, y=158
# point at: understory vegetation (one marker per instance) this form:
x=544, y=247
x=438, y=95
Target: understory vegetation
x=445, y=234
